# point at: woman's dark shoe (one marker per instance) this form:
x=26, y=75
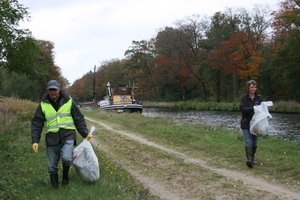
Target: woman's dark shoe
x=249, y=156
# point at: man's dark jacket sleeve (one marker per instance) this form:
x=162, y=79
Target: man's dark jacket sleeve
x=79, y=120
x=37, y=125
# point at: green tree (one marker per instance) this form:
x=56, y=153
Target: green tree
x=18, y=49
x=46, y=66
x=141, y=62
x=23, y=58
x=42, y=69
x=287, y=57
x=20, y=86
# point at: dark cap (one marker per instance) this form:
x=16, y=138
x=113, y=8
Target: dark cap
x=53, y=84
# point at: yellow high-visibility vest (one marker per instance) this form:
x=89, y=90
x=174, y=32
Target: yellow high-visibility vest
x=58, y=119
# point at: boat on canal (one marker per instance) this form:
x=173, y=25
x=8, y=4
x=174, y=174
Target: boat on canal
x=120, y=99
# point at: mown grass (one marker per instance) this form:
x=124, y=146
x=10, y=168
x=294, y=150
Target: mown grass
x=278, y=160
x=24, y=173
x=172, y=174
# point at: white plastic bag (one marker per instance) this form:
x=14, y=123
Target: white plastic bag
x=259, y=124
x=86, y=161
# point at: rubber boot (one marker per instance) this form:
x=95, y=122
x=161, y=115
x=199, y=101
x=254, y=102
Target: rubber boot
x=249, y=157
x=65, y=178
x=54, y=180
x=253, y=154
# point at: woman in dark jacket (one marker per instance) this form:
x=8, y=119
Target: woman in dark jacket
x=249, y=99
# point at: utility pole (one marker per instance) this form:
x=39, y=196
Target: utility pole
x=94, y=84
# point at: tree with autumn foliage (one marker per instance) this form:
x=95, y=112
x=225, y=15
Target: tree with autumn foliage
x=239, y=54
x=170, y=44
x=220, y=53
x=236, y=39
x=194, y=28
x=113, y=71
x=219, y=29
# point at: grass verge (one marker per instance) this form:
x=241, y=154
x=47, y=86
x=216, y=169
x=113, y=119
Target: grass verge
x=278, y=160
x=24, y=173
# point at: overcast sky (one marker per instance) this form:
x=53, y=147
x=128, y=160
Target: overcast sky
x=87, y=32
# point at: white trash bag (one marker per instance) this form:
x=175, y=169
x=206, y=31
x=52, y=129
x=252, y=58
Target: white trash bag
x=259, y=124
x=86, y=161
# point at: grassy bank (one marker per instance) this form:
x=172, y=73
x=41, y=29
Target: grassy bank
x=25, y=173
x=278, y=160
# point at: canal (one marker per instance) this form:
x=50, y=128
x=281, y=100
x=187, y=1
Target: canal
x=285, y=126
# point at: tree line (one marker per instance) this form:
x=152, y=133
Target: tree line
x=26, y=63
x=198, y=58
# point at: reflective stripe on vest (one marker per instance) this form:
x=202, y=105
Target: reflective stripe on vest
x=58, y=119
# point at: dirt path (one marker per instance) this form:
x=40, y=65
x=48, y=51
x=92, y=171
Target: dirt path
x=159, y=187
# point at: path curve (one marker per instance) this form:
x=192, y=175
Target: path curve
x=256, y=183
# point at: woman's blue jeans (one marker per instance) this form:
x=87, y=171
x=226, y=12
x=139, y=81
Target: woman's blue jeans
x=250, y=140
x=63, y=151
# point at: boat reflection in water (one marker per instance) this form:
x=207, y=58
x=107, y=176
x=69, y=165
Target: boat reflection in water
x=120, y=99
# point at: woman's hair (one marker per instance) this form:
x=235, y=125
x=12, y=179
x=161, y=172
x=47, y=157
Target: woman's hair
x=248, y=83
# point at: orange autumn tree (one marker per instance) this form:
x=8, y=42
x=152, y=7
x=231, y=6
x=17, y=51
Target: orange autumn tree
x=76, y=90
x=239, y=54
x=171, y=49
x=177, y=70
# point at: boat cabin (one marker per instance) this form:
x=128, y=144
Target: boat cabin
x=121, y=95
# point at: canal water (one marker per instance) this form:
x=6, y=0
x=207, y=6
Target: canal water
x=285, y=126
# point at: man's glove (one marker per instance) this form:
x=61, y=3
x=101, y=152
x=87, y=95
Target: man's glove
x=35, y=147
x=89, y=136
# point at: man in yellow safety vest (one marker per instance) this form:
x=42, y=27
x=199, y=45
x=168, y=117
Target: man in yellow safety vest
x=61, y=117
